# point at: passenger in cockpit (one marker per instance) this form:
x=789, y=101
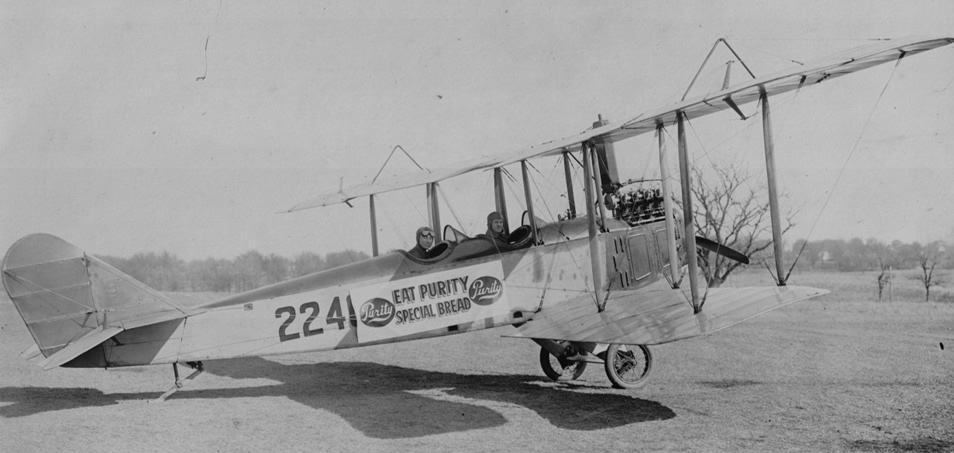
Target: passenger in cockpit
x=424, y=239
x=495, y=228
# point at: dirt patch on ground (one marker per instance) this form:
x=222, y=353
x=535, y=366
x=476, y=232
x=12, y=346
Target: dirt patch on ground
x=817, y=376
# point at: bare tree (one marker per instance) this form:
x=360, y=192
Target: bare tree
x=731, y=210
x=880, y=252
x=928, y=257
x=884, y=277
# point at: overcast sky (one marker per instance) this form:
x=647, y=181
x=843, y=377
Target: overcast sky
x=186, y=126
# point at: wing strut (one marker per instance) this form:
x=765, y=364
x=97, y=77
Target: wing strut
x=588, y=151
x=667, y=205
x=526, y=191
x=689, y=240
x=434, y=210
x=374, y=227
x=500, y=198
x=597, y=187
x=569, y=185
x=772, y=189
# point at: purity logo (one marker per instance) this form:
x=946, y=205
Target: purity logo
x=485, y=290
x=377, y=312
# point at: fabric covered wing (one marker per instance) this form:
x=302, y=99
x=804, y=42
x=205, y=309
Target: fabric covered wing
x=805, y=75
x=656, y=316
x=347, y=194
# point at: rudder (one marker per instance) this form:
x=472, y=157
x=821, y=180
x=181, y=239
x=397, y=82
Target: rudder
x=64, y=295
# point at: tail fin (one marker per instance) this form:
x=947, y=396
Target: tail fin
x=71, y=301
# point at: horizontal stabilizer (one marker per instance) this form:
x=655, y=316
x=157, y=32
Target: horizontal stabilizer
x=656, y=316
x=31, y=353
x=77, y=347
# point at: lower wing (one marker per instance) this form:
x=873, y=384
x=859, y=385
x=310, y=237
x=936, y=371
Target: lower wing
x=657, y=314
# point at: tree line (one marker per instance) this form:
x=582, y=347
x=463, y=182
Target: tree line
x=167, y=272
x=869, y=255
x=878, y=256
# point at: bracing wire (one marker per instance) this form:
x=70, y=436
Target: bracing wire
x=712, y=163
x=707, y=152
x=540, y=193
x=841, y=172
x=769, y=268
x=50, y=291
x=420, y=214
x=394, y=227
x=513, y=192
x=450, y=206
x=692, y=162
x=549, y=180
x=649, y=156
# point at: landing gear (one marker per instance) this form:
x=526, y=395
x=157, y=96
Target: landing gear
x=628, y=366
x=560, y=370
x=197, y=366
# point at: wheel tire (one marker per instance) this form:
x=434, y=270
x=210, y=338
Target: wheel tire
x=628, y=366
x=556, y=371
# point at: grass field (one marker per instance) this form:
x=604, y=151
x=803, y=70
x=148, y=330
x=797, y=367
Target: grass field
x=842, y=373
x=859, y=286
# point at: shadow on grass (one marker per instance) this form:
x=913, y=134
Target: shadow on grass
x=382, y=401
x=729, y=383
x=923, y=444
x=24, y=401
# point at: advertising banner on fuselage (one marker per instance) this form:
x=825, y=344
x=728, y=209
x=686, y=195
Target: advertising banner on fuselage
x=432, y=301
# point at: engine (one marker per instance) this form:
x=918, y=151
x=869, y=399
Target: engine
x=637, y=206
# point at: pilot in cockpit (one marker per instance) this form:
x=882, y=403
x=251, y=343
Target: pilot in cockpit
x=424, y=239
x=495, y=228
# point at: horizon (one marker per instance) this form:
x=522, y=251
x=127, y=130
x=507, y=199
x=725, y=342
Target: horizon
x=789, y=247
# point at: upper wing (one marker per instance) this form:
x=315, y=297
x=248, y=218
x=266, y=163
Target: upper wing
x=412, y=180
x=800, y=76
x=658, y=314
x=808, y=74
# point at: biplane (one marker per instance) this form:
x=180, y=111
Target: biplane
x=599, y=284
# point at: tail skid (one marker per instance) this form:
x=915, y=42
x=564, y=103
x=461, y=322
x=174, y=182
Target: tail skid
x=197, y=366
x=71, y=302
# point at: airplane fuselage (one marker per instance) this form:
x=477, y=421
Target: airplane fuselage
x=394, y=298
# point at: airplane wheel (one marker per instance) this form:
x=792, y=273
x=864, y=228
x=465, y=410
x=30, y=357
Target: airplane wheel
x=556, y=371
x=627, y=366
